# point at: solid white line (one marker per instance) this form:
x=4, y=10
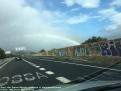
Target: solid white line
x=2, y=62
x=63, y=79
x=49, y=72
x=42, y=69
x=30, y=63
x=5, y=64
x=84, y=65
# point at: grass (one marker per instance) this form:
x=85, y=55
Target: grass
x=103, y=59
x=92, y=59
x=61, y=59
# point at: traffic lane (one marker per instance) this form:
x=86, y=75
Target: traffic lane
x=69, y=71
x=113, y=74
x=19, y=73
x=108, y=76
x=118, y=66
x=81, y=61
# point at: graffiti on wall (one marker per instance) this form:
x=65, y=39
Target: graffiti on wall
x=104, y=48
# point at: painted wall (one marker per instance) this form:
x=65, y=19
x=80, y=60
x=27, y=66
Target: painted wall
x=104, y=48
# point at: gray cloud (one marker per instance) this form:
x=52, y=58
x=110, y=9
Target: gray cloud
x=17, y=20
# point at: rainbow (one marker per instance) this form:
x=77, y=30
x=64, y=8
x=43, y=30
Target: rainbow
x=73, y=42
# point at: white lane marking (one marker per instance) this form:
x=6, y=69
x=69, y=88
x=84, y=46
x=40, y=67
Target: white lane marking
x=32, y=64
x=37, y=66
x=39, y=75
x=49, y=72
x=4, y=81
x=84, y=65
x=42, y=69
x=17, y=79
x=2, y=62
x=63, y=79
x=29, y=77
x=6, y=63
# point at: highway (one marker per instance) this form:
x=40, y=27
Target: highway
x=32, y=71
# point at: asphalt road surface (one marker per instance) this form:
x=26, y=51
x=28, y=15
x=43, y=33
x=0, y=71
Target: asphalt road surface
x=31, y=71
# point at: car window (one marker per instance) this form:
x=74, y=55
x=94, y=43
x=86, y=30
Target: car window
x=57, y=44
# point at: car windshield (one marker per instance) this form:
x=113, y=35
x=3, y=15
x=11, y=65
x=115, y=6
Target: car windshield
x=59, y=44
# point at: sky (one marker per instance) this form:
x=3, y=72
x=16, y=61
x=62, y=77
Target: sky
x=47, y=24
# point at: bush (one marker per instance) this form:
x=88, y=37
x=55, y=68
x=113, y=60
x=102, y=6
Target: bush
x=2, y=54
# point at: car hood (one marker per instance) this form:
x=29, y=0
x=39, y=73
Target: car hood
x=79, y=86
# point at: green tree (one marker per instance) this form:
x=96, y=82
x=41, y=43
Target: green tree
x=94, y=39
x=2, y=53
x=43, y=50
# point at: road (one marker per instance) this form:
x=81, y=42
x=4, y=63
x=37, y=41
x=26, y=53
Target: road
x=31, y=71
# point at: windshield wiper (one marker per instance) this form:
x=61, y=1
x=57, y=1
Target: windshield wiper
x=108, y=87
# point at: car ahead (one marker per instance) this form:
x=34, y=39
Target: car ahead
x=18, y=58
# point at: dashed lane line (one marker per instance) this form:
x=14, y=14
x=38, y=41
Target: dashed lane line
x=32, y=64
x=29, y=62
x=63, y=79
x=42, y=69
x=60, y=79
x=49, y=72
x=37, y=66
